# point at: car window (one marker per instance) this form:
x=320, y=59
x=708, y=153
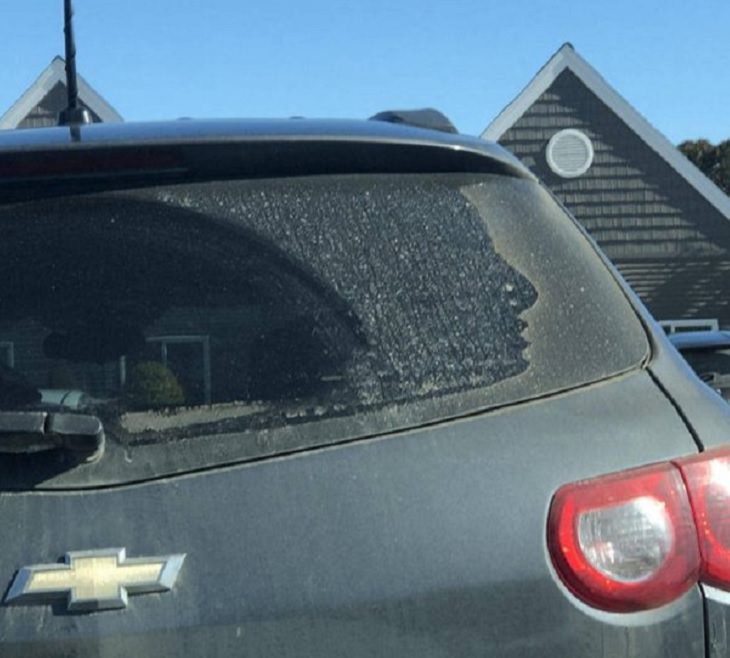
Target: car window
x=247, y=306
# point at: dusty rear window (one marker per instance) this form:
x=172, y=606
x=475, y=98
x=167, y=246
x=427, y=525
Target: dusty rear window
x=246, y=306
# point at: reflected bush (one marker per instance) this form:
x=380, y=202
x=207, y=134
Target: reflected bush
x=152, y=385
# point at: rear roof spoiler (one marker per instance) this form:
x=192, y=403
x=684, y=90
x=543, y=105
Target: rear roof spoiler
x=424, y=118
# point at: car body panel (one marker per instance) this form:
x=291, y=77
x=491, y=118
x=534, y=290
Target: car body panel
x=706, y=414
x=411, y=544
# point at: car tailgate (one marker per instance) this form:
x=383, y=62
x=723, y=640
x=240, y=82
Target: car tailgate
x=426, y=543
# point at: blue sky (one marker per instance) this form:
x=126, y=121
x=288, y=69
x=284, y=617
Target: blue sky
x=161, y=59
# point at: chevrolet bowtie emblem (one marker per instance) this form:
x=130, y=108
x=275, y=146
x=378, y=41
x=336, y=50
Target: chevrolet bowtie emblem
x=95, y=580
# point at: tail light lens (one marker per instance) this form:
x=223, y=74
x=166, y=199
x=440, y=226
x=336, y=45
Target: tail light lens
x=625, y=542
x=707, y=477
x=641, y=538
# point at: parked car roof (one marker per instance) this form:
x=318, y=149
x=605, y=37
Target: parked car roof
x=697, y=340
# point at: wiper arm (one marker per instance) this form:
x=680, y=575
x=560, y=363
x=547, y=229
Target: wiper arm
x=28, y=432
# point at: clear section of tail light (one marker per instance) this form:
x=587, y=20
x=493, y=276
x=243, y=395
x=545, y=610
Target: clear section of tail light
x=625, y=542
x=707, y=477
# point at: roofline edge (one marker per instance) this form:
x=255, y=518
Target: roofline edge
x=567, y=57
x=49, y=77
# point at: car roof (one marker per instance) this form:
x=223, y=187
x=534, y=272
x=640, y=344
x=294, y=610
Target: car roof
x=63, y=160
x=195, y=131
x=697, y=340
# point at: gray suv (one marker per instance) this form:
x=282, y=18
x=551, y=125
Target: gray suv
x=351, y=389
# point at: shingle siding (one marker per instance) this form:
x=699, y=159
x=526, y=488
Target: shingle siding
x=45, y=114
x=669, y=242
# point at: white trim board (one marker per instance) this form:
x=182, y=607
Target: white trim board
x=54, y=73
x=567, y=58
x=677, y=326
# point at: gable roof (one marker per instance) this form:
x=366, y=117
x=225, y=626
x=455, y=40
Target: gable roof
x=53, y=74
x=568, y=58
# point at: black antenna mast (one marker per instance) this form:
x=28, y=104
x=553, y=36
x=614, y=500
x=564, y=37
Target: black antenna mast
x=74, y=114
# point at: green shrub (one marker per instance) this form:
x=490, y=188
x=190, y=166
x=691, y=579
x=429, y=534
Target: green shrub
x=153, y=385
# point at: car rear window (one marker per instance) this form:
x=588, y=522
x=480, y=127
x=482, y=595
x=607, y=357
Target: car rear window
x=334, y=306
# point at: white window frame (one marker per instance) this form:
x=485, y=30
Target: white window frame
x=675, y=326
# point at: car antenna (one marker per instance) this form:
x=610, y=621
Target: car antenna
x=74, y=114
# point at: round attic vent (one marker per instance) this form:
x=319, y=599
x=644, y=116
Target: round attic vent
x=569, y=153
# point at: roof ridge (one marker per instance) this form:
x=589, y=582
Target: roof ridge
x=48, y=78
x=566, y=57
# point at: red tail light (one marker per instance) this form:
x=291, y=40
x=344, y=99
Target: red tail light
x=625, y=542
x=639, y=539
x=707, y=477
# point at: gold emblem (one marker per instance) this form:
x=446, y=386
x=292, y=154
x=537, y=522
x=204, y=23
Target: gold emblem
x=95, y=580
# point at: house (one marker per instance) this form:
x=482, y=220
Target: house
x=40, y=105
x=655, y=215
